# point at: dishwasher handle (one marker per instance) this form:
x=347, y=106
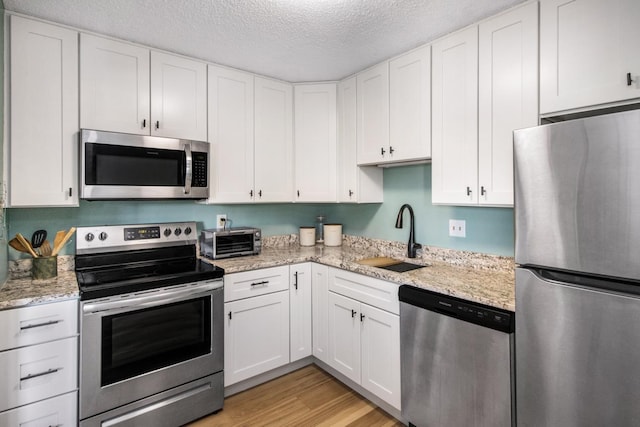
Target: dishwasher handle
x=468, y=311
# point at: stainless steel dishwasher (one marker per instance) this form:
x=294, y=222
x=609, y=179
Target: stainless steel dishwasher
x=456, y=361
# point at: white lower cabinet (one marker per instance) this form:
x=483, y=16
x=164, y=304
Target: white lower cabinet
x=256, y=335
x=300, y=311
x=364, y=341
x=320, y=311
x=39, y=365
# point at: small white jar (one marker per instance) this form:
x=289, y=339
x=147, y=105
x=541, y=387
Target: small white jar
x=333, y=234
x=307, y=236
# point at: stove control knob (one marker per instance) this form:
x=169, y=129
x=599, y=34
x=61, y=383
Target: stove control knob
x=167, y=232
x=103, y=236
x=89, y=237
x=178, y=231
x=187, y=231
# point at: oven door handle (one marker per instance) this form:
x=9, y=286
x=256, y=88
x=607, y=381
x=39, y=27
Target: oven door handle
x=152, y=300
x=188, y=169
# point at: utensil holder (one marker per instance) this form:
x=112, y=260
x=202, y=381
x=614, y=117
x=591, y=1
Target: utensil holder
x=44, y=267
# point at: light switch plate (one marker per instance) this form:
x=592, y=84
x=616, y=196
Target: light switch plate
x=457, y=228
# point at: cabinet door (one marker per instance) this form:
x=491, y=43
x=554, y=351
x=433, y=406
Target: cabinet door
x=256, y=336
x=586, y=50
x=315, y=142
x=58, y=411
x=114, y=86
x=455, y=118
x=178, y=97
x=380, y=338
x=373, y=114
x=273, y=141
x=344, y=336
x=43, y=127
x=300, y=311
x=355, y=183
x=320, y=311
x=508, y=96
x=410, y=108
x=231, y=135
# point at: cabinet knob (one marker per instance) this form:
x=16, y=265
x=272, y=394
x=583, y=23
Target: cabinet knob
x=350, y=193
x=469, y=191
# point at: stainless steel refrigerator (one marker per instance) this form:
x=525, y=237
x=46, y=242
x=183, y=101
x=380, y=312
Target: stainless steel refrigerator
x=577, y=209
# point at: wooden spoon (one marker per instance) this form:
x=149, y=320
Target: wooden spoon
x=15, y=244
x=56, y=248
x=45, y=248
x=59, y=236
x=26, y=244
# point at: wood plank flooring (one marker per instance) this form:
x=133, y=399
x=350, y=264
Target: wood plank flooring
x=306, y=397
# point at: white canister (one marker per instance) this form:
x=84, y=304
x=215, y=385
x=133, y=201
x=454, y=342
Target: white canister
x=333, y=234
x=307, y=236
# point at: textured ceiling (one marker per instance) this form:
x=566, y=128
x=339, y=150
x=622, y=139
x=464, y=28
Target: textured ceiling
x=293, y=40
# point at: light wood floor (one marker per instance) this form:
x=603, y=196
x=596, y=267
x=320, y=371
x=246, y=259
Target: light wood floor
x=306, y=397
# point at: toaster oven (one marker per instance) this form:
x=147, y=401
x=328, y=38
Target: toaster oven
x=230, y=242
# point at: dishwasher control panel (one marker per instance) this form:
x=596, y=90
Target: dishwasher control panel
x=481, y=314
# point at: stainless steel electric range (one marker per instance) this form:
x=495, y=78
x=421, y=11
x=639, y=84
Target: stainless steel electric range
x=151, y=326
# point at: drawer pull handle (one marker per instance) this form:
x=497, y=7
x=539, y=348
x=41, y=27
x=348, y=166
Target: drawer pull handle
x=361, y=317
x=353, y=313
x=264, y=282
x=38, y=325
x=296, y=280
x=40, y=374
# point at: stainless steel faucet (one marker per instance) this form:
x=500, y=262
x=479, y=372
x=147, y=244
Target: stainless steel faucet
x=412, y=246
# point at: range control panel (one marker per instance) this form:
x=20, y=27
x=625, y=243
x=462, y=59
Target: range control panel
x=110, y=238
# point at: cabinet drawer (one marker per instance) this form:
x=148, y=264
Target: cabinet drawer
x=58, y=411
x=37, y=324
x=375, y=292
x=256, y=282
x=38, y=372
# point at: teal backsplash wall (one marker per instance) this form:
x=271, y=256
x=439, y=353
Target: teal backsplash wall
x=488, y=230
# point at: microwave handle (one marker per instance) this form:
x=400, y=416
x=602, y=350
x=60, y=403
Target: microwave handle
x=188, y=172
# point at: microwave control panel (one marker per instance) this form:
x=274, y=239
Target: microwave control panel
x=200, y=168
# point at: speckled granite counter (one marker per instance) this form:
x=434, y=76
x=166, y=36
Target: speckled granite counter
x=21, y=290
x=476, y=277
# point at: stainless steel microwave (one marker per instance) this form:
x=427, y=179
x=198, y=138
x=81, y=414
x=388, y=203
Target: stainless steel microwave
x=230, y=242
x=122, y=166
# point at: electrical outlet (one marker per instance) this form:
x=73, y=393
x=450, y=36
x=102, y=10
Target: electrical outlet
x=457, y=228
x=221, y=220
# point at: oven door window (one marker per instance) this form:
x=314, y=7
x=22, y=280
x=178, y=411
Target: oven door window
x=141, y=341
x=107, y=164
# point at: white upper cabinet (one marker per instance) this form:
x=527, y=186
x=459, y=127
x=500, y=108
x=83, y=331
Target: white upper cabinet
x=356, y=184
x=315, y=142
x=486, y=72
x=455, y=118
x=114, y=86
x=273, y=141
x=231, y=135
x=410, y=108
x=43, y=115
x=587, y=49
x=373, y=114
x=178, y=97
x=127, y=88
x=508, y=97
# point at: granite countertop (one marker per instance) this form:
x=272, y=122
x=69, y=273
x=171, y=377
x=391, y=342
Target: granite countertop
x=20, y=290
x=472, y=276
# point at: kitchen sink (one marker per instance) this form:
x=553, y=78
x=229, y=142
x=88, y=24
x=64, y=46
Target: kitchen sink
x=391, y=264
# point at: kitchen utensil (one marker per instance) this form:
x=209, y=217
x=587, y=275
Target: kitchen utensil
x=45, y=249
x=65, y=239
x=37, y=238
x=26, y=244
x=15, y=244
x=59, y=236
